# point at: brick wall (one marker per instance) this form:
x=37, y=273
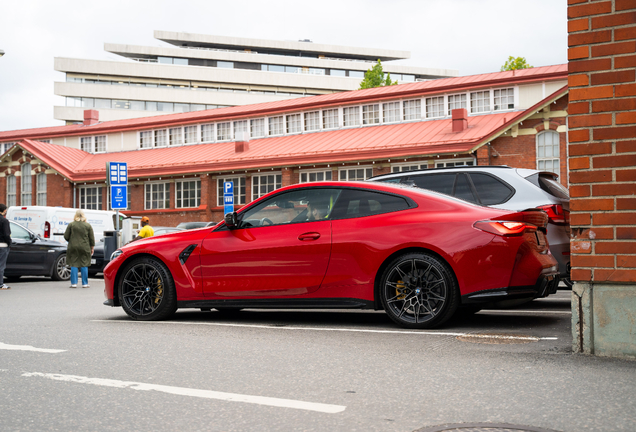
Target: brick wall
x=602, y=139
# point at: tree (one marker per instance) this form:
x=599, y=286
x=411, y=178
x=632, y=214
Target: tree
x=374, y=77
x=515, y=63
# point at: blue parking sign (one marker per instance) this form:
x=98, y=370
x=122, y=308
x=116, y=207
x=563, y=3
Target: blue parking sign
x=228, y=197
x=118, y=197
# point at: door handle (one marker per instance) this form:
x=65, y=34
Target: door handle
x=309, y=236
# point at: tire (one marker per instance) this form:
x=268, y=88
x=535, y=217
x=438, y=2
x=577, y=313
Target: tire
x=61, y=272
x=146, y=290
x=419, y=291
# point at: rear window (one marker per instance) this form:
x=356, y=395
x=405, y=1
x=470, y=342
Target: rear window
x=442, y=183
x=553, y=187
x=357, y=203
x=491, y=190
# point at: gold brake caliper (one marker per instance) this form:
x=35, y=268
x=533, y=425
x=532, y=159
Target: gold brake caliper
x=159, y=291
x=399, y=290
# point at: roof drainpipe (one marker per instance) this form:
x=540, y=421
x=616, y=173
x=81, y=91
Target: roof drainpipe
x=91, y=117
x=460, y=119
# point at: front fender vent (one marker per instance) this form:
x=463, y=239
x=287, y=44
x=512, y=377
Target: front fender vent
x=185, y=254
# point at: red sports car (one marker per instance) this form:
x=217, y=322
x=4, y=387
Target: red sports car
x=416, y=254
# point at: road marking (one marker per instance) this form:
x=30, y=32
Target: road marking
x=184, y=391
x=410, y=332
x=29, y=348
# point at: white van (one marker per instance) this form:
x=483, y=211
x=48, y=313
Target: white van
x=51, y=222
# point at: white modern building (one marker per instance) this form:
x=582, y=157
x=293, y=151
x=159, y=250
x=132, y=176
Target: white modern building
x=198, y=72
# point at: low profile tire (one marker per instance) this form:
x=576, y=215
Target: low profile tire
x=146, y=290
x=60, y=271
x=419, y=291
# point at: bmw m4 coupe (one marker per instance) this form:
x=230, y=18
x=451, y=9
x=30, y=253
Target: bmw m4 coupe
x=416, y=254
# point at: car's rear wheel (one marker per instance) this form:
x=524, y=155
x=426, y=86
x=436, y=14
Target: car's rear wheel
x=146, y=290
x=418, y=291
x=61, y=272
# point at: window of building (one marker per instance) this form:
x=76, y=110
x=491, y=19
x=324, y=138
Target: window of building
x=41, y=185
x=93, y=144
x=390, y=112
x=264, y=184
x=191, y=133
x=412, y=166
x=351, y=116
x=454, y=162
x=257, y=128
x=240, y=130
x=480, y=101
x=175, y=136
x=11, y=190
x=312, y=121
x=371, y=114
x=90, y=197
x=25, y=184
x=225, y=64
x=145, y=139
x=223, y=131
x=337, y=72
x=188, y=193
x=294, y=123
x=356, y=74
x=307, y=176
x=548, y=151
x=456, y=101
x=355, y=174
x=238, y=184
x=330, y=119
x=413, y=109
x=435, y=107
x=4, y=147
x=157, y=195
x=207, y=133
x=276, y=125
x=161, y=138
x=504, y=99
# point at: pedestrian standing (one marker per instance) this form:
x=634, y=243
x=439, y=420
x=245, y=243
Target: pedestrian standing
x=81, y=245
x=5, y=244
x=145, y=231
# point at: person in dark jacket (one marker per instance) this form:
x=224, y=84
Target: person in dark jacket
x=81, y=245
x=5, y=244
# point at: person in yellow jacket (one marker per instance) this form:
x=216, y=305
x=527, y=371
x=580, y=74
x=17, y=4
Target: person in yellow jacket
x=146, y=230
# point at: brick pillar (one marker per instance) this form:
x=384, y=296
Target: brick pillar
x=206, y=199
x=286, y=179
x=602, y=161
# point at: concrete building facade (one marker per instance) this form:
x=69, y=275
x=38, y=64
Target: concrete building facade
x=199, y=72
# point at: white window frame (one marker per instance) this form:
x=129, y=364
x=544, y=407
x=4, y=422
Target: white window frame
x=330, y=118
x=191, y=134
x=439, y=104
x=40, y=180
x=146, y=139
x=443, y=163
x=178, y=189
x=276, y=125
x=371, y=114
x=394, y=111
x=495, y=97
x=224, y=131
x=351, y=116
x=239, y=198
x=294, y=123
x=93, y=143
x=326, y=172
x=11, y=190
x=346, y=170
x=399, y=167
x=414, y=108
x=166, y=191
x=256, y=183
x=83, y=195
x=26, y=184
x=241, y=130
x=208, y=130
x=313, y=121
x=480, y=101
x=555, y=161
x=179, y=135
x=461, y=102
x=257, y=128
x=160, y=138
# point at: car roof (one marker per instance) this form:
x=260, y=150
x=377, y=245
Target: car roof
x=442, y=169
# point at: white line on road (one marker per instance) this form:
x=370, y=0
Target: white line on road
x=183, y=391
x=434, y=333
x=29, y=348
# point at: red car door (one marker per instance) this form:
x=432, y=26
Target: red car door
x=276, y=260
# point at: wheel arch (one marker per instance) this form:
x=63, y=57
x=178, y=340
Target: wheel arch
x=116, y=300
x=377, y=302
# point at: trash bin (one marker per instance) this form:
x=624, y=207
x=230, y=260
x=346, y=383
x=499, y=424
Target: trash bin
x=110, y=244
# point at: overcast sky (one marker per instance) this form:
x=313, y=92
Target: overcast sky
x=472, y=36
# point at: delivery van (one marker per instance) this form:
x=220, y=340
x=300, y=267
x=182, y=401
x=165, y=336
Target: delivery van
x=51, y=222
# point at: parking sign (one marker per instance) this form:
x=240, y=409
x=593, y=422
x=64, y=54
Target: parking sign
x=117, y=174
x=228, y=197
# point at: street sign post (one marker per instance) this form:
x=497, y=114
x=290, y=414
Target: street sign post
x=228, y=197
x=117, y=175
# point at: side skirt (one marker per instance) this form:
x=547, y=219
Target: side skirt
x=318, y=303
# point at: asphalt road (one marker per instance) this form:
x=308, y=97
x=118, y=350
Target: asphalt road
x=69, y=363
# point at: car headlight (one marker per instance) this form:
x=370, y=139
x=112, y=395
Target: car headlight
x=116, y=254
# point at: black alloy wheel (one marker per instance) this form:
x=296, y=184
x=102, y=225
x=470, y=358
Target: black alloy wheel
x=61, y=272
x=419, y=291
x=146, y=290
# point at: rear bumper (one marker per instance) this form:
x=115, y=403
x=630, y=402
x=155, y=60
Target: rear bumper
x=546, y=284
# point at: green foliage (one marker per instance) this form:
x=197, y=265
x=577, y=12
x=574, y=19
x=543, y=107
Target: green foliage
x=515, y=63
x=374, y=77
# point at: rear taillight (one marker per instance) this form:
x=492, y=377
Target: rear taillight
x=505, y=228
x=47, y=230
x=556, y=214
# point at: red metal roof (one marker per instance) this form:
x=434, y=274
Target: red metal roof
x=356, y=144
x=544, y=73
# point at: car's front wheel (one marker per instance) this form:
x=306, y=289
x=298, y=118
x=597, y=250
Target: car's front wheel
x=418, y=290
x=61, y=272
x=146, y=290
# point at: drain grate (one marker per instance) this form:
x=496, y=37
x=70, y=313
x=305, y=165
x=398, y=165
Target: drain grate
x=482, y=427
x=497, y=338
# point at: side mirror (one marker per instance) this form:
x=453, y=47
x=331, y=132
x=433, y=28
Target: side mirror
x=231, y=220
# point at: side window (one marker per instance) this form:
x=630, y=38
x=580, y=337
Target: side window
x=463, y=189
x=491, y=190
x=17, y=232
x=358, y=203
x=442, y=183
x=306, y=205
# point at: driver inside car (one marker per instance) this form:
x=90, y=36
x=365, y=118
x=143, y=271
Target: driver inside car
x=318, y=211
